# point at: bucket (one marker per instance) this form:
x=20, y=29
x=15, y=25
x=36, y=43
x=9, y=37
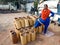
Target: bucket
x=18, y=33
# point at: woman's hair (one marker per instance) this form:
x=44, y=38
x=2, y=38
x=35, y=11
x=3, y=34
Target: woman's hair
x=46, y=5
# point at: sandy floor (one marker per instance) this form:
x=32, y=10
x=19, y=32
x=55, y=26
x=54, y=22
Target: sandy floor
x=6, y=24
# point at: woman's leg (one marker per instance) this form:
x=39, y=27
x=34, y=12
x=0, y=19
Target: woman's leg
x=46, y=25
x=37, y=24
x=45, y=28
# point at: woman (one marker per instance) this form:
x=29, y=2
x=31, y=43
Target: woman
x=44, y=19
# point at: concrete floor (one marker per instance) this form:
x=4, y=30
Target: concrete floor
x=6, y=24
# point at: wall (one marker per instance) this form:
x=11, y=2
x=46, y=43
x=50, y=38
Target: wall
x=53, y=0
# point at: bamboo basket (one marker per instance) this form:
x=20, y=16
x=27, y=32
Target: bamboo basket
x=28, y=37
x=40, y=29
x=17, y=23
x=31, y=17
x=21, y=32
x=23, y=39
x=11, y=34
x=22, y=21
x=35, y=16
x=26, y=22
x=30, y=22
x=13, y=37
x=33, y=35
x=35, y=29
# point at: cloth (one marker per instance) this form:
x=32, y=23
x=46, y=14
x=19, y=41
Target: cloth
x=45, y=14
x=45, y=22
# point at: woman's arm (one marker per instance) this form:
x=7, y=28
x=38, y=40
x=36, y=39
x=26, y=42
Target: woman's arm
x=52, y=14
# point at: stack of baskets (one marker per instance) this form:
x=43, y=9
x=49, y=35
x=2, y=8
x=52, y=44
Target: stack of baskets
x=24, y=29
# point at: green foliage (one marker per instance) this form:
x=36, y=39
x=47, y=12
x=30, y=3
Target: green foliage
x=7, y=0
x=20, y=1
x=35, y=3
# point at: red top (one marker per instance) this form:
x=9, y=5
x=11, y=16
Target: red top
x=45, y=14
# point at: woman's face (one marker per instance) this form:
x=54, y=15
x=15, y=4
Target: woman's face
x=45, y=6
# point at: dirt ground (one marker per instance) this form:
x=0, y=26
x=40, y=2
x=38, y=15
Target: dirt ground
x=6, y=24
